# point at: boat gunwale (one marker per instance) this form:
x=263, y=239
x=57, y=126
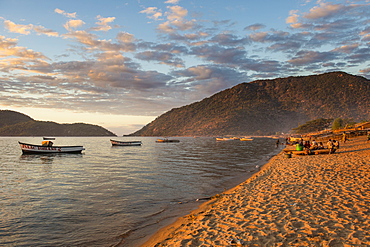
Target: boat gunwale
x=36, y=145
x=125, y=141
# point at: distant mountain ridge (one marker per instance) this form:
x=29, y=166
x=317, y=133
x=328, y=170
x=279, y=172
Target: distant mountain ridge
x=265, y=107
x=13, y=123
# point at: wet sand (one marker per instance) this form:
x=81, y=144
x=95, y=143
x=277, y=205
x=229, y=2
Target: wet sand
x=306, y=200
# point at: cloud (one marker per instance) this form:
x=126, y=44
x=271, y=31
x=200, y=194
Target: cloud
x=220, y=55
x=92, y=43
x=17, y=28
x=176, y=13
x=103, y=23
x=46, y=31
x=7, y=43
x=176, y=20
x=72, y=24
x=309, y=57
x=347, y=48
x=254, y=27
x=293, y=18
x=258, y=37
x=324, y=10
x=9, y=49
x=84, y=37
x=152, y=13
x=62, y=12
x=172, y=1
x=26, y=29
x=161, y=57
x=228, y=39
x=360, y=56
x=208, y=79
x=166, y=27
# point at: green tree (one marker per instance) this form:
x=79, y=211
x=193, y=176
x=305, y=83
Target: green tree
x=338, y=123
x=313, y=125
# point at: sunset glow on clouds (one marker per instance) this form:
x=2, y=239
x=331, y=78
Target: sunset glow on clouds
x=134, y=60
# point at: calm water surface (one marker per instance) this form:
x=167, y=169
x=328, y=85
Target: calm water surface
x=113, y=196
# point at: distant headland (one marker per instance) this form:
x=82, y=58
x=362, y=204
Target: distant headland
x=13, y=123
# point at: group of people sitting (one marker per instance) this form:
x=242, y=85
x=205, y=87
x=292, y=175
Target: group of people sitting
x=332, y=145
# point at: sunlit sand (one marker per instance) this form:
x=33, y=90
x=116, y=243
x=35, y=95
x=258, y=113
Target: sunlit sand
x=311, y=200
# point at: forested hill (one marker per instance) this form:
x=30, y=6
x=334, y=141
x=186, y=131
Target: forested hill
x=17, y=124
x=265, y=107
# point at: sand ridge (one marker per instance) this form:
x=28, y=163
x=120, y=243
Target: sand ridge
x=309, y=200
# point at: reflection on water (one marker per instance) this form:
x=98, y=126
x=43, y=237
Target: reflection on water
x=46, y=158
x=94, y=198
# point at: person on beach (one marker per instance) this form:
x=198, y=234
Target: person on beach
x=307, y=144
x=320, y=145
x=344, y=138
x=314, y=145
x=335, y=145
x=277, y=143
x=330, y=146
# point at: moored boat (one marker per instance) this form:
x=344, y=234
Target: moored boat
x=38, y=149
x=167, y=140
x=48, y=138
x=224, y=139
x=125, y=143
x=246, y=139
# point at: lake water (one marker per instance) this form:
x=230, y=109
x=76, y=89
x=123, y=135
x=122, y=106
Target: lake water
x=114, y=196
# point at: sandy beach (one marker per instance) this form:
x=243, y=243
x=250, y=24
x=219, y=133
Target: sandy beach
x=306, y=200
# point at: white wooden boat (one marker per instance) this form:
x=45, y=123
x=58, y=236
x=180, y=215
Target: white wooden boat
x=126, y=143
x=38, y=149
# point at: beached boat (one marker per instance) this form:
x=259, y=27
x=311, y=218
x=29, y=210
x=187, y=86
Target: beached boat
x=246, y=139
x=38, y=149
x=126, y=143
x=167, y=140
x=224, y=139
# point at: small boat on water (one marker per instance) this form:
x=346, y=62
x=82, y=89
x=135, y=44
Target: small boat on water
x=167, y=140
x=48, y=138
x=42, y=149
x=126, y=143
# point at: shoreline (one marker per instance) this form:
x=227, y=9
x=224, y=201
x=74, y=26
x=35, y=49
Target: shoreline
x=138, y=237
x=319, y=200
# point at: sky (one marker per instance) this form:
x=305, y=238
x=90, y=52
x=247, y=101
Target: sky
x=121, y=64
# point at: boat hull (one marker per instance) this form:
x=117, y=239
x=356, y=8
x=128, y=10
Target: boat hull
x=224, y=139
x=166, y=140
x=129, y=143
x=39, y=149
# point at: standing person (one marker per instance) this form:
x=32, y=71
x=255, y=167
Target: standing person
x=344, y=137
x=330, y=146
x=277, y=143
